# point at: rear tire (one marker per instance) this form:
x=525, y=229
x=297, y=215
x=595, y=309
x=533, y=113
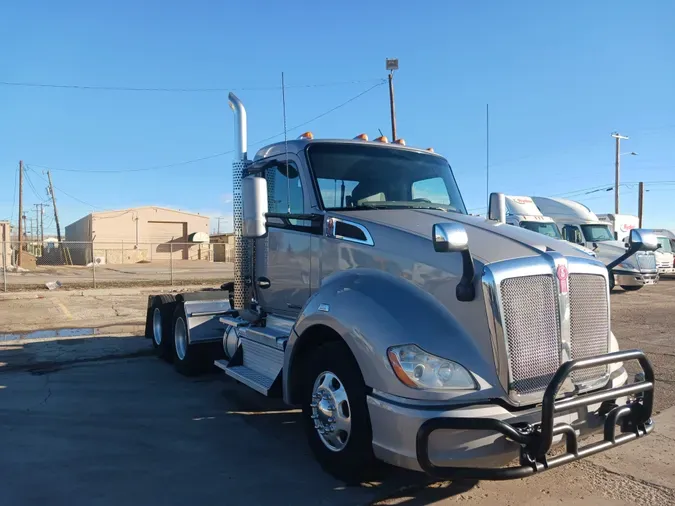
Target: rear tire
x=188, y=359
x=332, y=374
x=632, y=288
x=158, y=325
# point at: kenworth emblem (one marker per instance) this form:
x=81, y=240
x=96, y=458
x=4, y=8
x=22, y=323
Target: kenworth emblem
x=562, y=278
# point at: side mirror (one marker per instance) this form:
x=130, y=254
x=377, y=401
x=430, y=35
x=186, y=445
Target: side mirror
x=643, y=240
x=254, y=202
x=638, y=240
x=497, y=207
x=452, y=238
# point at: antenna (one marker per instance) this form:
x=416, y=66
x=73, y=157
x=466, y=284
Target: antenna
x=288, y=175
x=380, y=130
x=487, y=152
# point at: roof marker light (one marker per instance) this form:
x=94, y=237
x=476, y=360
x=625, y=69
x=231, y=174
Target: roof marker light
x=400, y=141
x=382, y=138
x=430, y=150
x=307, y=135
x=362, y=137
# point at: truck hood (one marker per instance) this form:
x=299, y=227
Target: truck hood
x=489, y=241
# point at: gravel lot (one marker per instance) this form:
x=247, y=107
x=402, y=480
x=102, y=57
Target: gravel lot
x=97, y=420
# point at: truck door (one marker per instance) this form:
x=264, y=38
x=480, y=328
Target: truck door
x=283, y=256
x=572, y=233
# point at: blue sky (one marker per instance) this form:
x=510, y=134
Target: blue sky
x=559, y=78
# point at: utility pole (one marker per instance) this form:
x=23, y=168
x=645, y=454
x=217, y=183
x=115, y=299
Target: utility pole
x=56, y=214
x=21, y=216
x=37, y=221
x=617, y=164
x=392, y=64
x=641, y=199
x=40, y=211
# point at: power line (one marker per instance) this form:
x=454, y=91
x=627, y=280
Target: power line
x=216, y=155
x=182, y=90
x=32, y=187
x=63, y=191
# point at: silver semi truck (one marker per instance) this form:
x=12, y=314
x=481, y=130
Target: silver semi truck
x=407, y=330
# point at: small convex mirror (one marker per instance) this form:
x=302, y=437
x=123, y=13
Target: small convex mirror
x=643, y=239
x=450, y=237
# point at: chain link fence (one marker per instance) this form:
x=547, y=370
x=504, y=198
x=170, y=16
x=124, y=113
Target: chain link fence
x=71, y=264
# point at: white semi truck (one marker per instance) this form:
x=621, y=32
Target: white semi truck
x=578, y=224
x=405, y=329
x=523, y=212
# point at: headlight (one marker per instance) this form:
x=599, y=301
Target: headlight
x=418, y=369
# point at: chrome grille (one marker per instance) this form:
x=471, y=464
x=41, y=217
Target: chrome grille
x=646, y=261
x=589, y=322
x=532, y=327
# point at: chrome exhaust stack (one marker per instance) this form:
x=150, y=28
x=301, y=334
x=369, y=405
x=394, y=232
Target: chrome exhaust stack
x=243, y=284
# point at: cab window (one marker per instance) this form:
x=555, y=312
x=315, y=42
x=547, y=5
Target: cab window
x=572, y=233
x=280, y=189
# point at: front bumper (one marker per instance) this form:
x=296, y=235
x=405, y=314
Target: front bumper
x=666, y=271
x=625, y=278
x=475, y=442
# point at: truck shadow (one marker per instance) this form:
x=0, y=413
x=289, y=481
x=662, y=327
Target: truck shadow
x=109, y=389
x=388, y=485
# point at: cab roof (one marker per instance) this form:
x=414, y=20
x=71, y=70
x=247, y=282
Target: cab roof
x=297, y=145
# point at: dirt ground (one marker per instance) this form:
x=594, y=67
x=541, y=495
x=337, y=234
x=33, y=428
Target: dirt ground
x=88, y=418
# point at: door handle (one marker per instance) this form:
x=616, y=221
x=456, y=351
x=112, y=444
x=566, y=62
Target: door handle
x=263, y=283
x=293, y=306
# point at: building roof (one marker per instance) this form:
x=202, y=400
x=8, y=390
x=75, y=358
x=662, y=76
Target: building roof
x=131, y=209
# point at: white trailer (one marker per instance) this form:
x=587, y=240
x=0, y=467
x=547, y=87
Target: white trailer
x=621, y=224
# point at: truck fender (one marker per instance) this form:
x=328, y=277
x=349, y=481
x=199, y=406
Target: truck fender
x=371, y=310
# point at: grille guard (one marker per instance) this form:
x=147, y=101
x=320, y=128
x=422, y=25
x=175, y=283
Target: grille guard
x=536, y=439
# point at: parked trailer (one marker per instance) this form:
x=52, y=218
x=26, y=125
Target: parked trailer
x=407, y=330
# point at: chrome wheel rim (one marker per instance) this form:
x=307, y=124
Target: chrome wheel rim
x=180, y=333
x=157, y=326
x=331, y=412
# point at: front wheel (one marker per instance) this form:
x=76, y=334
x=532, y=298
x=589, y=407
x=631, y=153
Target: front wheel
x=336, y=415
x=632, y=288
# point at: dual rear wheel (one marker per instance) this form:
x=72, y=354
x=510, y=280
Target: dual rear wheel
x=167, y=327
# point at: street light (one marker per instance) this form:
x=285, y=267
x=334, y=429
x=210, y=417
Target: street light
x=391, y=65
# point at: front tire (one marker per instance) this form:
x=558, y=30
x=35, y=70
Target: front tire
x=632, y=288
x=335, y=414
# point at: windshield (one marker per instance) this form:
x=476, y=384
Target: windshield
x=549, y=229
x=353, y=176
x=664, y=242
x=597, y=233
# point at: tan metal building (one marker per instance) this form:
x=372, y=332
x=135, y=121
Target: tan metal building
x=139, y=234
